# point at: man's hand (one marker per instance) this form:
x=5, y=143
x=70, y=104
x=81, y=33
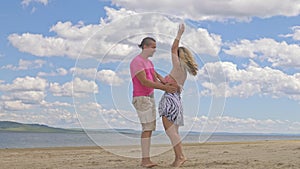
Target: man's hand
x=141, y=76
x=172, y=87
x=163, y=81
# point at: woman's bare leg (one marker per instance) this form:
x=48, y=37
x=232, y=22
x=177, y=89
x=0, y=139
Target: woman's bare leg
x=172, y=132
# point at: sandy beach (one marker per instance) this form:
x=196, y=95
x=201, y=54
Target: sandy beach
x=233, y=155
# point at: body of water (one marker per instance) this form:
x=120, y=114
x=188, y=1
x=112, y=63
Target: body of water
x=35, y=140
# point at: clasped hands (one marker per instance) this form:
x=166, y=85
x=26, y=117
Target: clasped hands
x=172, y=87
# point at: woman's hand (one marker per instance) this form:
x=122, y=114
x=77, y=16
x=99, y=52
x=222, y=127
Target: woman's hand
x=181, y=29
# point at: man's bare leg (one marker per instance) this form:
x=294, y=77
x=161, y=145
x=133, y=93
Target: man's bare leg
x=145, y=145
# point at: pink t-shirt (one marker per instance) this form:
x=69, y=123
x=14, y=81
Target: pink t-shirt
x=139, y=64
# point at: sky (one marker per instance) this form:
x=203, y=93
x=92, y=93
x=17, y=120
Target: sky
x=66, y=63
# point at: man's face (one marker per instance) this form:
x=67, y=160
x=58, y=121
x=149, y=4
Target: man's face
x=150, y=49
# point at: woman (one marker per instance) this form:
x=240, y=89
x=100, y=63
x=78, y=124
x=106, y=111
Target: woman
x=170, y=105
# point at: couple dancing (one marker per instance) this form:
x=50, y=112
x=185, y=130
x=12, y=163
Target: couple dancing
x=145, y=79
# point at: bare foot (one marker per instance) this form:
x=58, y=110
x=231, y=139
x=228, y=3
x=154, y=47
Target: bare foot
x=179, y=162
x=149, y=164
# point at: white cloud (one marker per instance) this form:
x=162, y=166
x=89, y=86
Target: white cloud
x=247, y=82
x=56, y=117
x=67, y=30
x=279, y=54
x=89, y=73
x=114, y=39
x=58, y=114
x=109, y=77
x=215, y=9
x=58, y=72
x=41, y=46
x=243, y=125
x=15, y=105
x=27, y=97
x=27, y=2
x=23, y=93
x=55, y=104
x=94, y=115
x=295, y=35
x=90, y=107
x=76, y=88
x=202, y=42
x=71, y=42
x=105, y=76
x=26, y=64
x=25, y=84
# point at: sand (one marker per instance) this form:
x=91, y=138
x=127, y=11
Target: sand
x=233, y=155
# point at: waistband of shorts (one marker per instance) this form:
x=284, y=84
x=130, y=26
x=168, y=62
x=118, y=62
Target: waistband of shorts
x=150, y=95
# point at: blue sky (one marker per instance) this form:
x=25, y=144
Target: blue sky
x=66, y=63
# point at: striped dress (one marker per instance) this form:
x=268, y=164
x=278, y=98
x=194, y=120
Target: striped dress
x=170, y=106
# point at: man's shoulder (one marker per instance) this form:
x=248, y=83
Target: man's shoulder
x=137, y=59
x=135, y=62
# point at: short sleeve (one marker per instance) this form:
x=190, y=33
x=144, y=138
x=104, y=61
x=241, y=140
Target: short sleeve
x=135, y=67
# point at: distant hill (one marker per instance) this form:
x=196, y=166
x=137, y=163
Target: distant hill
x=9, y=126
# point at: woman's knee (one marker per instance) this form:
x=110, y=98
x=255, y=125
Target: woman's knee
x=172, y=133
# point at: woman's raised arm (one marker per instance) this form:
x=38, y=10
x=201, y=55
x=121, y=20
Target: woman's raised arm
x=175, y=45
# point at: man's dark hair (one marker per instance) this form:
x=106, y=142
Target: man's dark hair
x=146, y=41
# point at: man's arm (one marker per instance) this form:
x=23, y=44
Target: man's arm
x=160, y=78
x=163, y=81
x=141, y=76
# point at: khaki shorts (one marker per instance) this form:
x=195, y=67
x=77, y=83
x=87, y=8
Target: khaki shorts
x=145, y=108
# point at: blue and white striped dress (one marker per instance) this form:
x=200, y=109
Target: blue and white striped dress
x=170, y=106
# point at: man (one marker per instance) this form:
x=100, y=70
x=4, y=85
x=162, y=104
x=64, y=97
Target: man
x=145, y=79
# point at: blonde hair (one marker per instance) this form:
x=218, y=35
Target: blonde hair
x=187, y=59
